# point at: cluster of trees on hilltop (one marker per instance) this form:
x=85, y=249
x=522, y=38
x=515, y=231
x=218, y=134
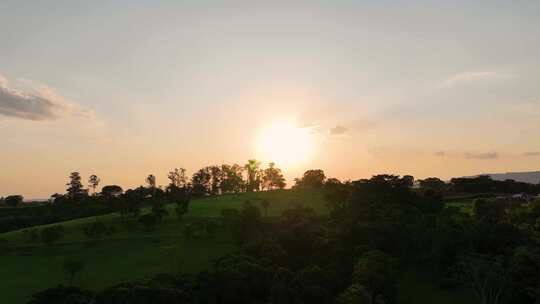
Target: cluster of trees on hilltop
x=376, y=227
x=485, y=184
x=80, y=201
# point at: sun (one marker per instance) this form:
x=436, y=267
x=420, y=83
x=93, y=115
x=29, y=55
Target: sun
x=286, y=144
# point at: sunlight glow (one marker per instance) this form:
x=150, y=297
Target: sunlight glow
x=285, y=144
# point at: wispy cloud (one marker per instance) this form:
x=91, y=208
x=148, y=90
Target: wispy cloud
x=38, y=104
x=531, y=153
x=338, y=130
x=477, y=76
x=467, y=155
x=440, y=153
x=484, y=155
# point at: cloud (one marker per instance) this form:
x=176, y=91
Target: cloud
x=469, y=77
x=467, y=155
x=338, y=130
x=486, y=155
x=440, y=153
x=38, y=104
x=532, y=153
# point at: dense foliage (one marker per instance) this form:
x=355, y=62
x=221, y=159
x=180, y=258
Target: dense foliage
x=375, y=228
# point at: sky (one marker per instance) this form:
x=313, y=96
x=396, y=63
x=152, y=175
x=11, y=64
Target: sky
x=123, y=89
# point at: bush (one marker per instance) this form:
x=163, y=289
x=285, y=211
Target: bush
x=31, y=235
x=149, y=221
x=50, y=235
x=199, y=230
x=62, y=295
x=97, y=230
x=72, y=267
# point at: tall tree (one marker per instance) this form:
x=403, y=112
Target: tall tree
x=377, y=272
x=75, y=188
x=253, y=180
x=201, y=182
x=231, y=178
x=151, y=181
x=93, y=182
x=273, y=178
x=311, y=179
x=177, y=178
x=215, y=172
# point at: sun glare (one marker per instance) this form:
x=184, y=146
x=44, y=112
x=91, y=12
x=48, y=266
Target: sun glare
x=285, y=144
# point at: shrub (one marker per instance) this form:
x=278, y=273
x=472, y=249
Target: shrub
x=72, y=267
x=31, y=235
x=148, y=221
x=97, y=230
x=52, y=234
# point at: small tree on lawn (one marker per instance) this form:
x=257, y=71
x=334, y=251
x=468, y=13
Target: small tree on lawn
x=72, y=267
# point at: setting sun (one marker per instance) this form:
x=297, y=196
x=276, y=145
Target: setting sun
x=285, y=143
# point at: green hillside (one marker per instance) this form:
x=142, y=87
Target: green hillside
x=131, y=252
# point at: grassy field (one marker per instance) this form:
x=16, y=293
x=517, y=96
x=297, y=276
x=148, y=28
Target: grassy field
x=133, y=253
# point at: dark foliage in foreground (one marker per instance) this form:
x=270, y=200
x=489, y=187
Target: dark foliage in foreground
x=375, y=227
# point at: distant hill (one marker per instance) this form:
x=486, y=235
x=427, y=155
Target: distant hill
x=532, y=177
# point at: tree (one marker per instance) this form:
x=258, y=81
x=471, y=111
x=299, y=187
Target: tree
x=216, y=175
x=151, y=181
x=75, y=189
x=51, y=234
x=313, y=179
x=93, y=182
x=253, y=180
x=265, y=204
x=72, y=267
x=177, y=178
x=355, y=294
x=201, y=182
x=14, y=200
x=134, y=199
x=231, y=179
x=148, y=221
x=487, y=276
x=432, y=183
x=249, y=224
x=377, y=271
x=273, y=178
x=111, y=191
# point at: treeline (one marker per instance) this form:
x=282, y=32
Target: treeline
x=80, y=201
x=375, y=228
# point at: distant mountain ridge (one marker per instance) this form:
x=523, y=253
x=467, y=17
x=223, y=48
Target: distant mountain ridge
x=532, y=177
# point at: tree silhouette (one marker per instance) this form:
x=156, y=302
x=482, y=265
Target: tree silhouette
x=177, y=178
x=14, y=200
x=253, y=181
x=93, y=182
x=75, y=188
x=313, y=179
x=151, y=181
x=273, y=178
